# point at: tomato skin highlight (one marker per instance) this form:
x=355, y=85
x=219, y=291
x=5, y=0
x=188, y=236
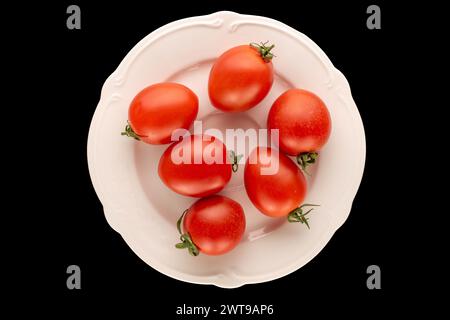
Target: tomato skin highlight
x=239, y=79
x=195, y=179
x=278, y=194
x=303, y=121
x=216, y=224
x=159, y=109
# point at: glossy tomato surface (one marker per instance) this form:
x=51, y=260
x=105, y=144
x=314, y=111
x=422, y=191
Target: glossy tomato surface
x=196, y=166
x=161, y=108
x=215, y=224
x=274, y=183
x=303, y=121
x=239, y=79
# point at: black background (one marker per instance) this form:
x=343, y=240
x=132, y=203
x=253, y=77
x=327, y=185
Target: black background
x=73, y=65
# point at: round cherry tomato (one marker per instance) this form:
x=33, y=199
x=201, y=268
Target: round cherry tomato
x=160, y=109
x=274, y=184
x=212, y=225
x=196, y=166
x=241, y=77
x=304, y=124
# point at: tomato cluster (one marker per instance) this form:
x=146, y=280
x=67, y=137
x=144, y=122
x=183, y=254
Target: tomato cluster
x=239, y=80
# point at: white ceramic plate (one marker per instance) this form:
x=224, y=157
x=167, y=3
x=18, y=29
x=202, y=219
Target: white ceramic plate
x=144, y=211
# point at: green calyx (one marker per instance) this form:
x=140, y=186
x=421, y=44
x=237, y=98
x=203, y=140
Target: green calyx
x=186, y=241
x=129, y=132
x=306, y=159
x=297, y=215
x=235, y=160
x=264, y=50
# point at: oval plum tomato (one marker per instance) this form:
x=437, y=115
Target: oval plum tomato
x=304, y=124
x=160, y=109
x=275, y=185
x=212, y=225
x=241, y=77
x=196, y=166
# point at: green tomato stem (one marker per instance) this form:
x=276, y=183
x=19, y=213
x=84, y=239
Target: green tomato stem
x=297, y=215
x=306, y=159
x=234, y=160
x=129, y=132
x=264, y=50
x=185, y=238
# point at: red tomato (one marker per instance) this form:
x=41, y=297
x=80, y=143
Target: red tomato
x=278, y=193
x=196, y=166
x=212, y=225
x=304, y=124
x=158, y=110
x=241, y=77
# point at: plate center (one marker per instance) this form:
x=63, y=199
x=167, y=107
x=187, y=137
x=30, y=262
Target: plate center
x=237, y=132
